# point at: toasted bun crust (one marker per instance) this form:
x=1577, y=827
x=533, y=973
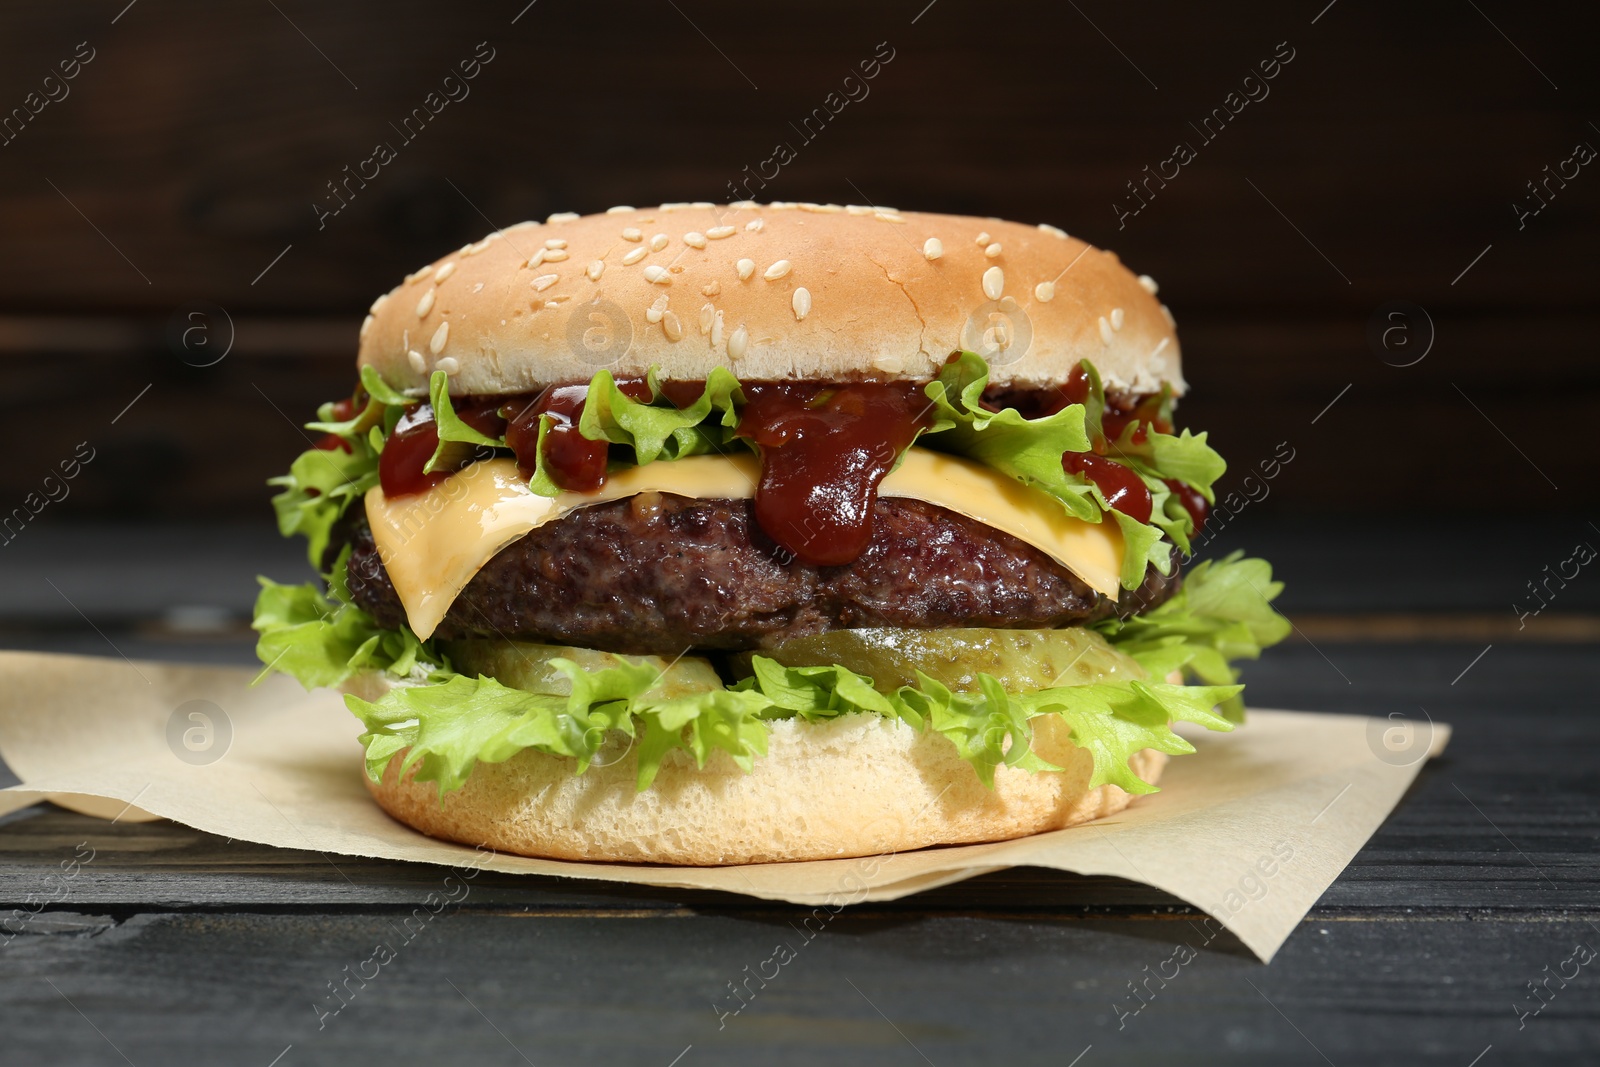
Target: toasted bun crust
x=554, y=302
x=858, y=785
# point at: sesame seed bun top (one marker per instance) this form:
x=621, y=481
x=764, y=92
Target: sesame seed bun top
x=778, y=291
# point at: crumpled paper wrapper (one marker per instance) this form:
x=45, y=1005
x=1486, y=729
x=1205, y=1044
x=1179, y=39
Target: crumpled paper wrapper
x=1251, y=828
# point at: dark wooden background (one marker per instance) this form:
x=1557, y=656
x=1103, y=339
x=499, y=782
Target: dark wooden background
x=1387, y=156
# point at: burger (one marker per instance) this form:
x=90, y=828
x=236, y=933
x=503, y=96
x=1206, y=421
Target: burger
x=724, y=534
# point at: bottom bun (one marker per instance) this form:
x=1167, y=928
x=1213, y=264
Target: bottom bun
x=858, y=785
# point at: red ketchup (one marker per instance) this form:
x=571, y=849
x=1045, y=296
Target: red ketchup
x=573, y=462
x=1192, y=500
x=1124, y=490
x=343, y=411
x=824, y=449
x=416, y=436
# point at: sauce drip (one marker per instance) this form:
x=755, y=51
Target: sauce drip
x=416, y=436
x=1192, y=500
x=824, y=449
x=1124, y=490
x=1146, y=412
x=575, y=463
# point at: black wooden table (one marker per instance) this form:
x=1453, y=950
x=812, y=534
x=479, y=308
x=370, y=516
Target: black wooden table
x=1464, y=933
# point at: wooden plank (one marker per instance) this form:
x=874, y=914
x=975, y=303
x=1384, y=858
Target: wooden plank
x=471, y=987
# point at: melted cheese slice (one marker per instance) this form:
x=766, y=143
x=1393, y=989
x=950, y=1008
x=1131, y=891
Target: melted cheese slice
x=432, y=543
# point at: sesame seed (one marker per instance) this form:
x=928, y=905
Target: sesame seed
x=1053, y=231
x=755, y=225
x=366, y=324
x=992, y=250
x=544, y=281
x=676, y=206
x=716, y=330
x=888, y=216
x=537, y=258
x=717, y=233
x=703, y=205
x=1149, y=284
x=708, y=312
x=635, y=256
x=657, y=275
x=671, y=326
x=562, y=216
x=1105, y=331
x=743, y=205
x=418, y=364
x=801, y=303
x=418, y=274
x=1116, y=318
x=777, y=270
x=1008, y=303
x=555, y=242
x=658, y=242
x=933, y=248
x=983, y=238
x=745, y=267
x=445, y=270
x=889, y=364
x=1168, y=313
x=425, y=305
x=377, y=305
x=596, y=268
x=474, y=249
x=738, y=342
x=440, y=336
x=711, y=288
x=994, y=283
x=554, y=255
x=632, y=233
x=858, y=209
x=449, y=364
x=694, y=239
x=1044, y=292
x=654, y=312
x=478, y=288
x=1156, y=352
x=620, y=209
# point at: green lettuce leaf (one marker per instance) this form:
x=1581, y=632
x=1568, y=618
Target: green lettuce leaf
x=1028, y=450
x=450, y=727
x=322, y=639
x=452, y=431
x=658, y=430
x=1222, y=613
x=321, y=484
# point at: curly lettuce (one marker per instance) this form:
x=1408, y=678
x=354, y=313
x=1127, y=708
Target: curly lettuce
x=1222, y=613
x=448, y=722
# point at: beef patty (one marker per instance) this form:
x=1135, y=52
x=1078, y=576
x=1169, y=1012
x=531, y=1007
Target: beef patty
x=658, y=573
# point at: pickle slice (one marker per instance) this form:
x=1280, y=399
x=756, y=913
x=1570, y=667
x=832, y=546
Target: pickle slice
x=1021, y=660
x=526, y=665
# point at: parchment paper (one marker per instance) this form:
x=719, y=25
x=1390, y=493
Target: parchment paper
x=1251, y=828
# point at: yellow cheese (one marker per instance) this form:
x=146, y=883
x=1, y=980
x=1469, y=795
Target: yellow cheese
x=432, y=543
